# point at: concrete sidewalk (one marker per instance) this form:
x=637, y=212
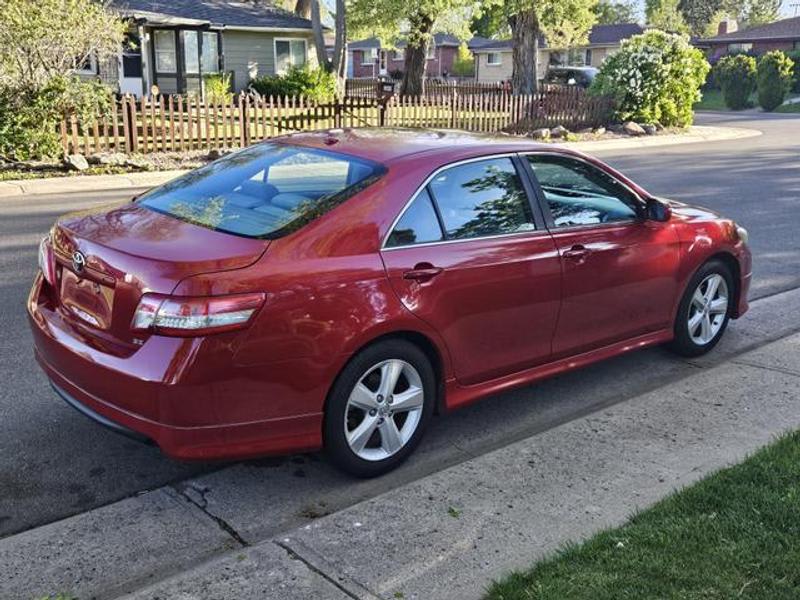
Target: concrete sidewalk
x=83, y=183
x=441, y=537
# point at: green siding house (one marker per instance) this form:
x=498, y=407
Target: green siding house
x=172, y=45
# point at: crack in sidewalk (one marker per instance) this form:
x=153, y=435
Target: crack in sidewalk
x=196, y=495
x=782, y=370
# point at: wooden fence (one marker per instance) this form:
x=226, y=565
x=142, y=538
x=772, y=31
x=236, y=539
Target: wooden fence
x=178, y=124
x=373, y=87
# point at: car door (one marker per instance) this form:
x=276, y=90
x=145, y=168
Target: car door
x=466, y=256
x=619, y=270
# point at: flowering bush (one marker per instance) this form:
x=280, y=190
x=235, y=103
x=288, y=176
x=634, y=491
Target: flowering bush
x=654, y=78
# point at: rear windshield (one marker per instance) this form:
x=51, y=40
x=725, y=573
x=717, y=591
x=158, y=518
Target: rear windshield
x=265, y=191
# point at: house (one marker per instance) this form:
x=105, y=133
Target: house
x=173, y=45
x=780, y=35
x=493, y=58
x=369, y=59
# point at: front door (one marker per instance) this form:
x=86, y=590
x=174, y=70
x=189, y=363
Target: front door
x=130, y=66
x=619, y=269
x=382, y=66
x=467, y=257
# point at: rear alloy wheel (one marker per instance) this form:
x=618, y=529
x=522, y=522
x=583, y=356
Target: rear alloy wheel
x=379, y=407
x=704, y=310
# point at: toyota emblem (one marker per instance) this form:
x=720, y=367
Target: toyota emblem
x=78, y=261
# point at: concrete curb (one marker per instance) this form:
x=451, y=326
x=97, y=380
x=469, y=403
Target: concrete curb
x=82, y=183
x=696, y=134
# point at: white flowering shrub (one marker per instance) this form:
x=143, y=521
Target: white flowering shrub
x=655, y=77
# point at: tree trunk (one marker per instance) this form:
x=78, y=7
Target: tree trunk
x=339, y=63
x=416, y=51
x=319, y=39
x=525, y=52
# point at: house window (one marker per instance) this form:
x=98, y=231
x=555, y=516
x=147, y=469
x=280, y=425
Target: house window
x=87, y=66
x=191, y=52
x=369, y=56
x=494, y=59
x=796, y=45
x=164, y=45
x=399, y=54
x=739, y=48
x=576, y=57
x=289, y=53
x=131, y=56
x=210, y=53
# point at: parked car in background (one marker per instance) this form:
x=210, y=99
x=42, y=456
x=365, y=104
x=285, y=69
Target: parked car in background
x=579, y=76
x=335, y=289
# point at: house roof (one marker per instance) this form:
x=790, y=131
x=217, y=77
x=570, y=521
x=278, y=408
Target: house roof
x=250, y=14
x=440, y=39
x=600, y=35
x=779, y=30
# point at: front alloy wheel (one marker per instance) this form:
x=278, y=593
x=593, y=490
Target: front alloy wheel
x=379, y=407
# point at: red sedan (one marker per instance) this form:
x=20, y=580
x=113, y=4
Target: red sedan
x=334, y=289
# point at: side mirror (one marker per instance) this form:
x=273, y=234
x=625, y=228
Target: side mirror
x=656, y=210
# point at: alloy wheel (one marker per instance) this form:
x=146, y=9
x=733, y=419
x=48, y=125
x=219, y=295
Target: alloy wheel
x=384, y=410
x=708, y=309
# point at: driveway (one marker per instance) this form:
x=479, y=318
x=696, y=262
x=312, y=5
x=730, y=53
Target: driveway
x=55, y=463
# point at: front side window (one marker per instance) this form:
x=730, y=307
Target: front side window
x=164, y=43
x=289, y=53
x=482, y=198
x=494, y=58
x=739, y=48
x=265, y=191
x=578, y=193
x=191, y=52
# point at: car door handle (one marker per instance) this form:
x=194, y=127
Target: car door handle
x=422, y=272
x=577, y=252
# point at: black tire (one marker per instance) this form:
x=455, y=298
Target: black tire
x=335, y=438
x=683, y=344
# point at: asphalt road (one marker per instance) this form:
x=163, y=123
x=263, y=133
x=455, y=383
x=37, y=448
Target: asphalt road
x=54, y=462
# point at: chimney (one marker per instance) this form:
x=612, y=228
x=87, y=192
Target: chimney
x=727, y=25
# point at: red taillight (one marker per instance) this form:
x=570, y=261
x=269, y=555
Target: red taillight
x=47, y=261
x=182, y=316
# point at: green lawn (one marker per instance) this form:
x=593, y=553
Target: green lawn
x=789, y=108
x=736, y=534
x=712, y=100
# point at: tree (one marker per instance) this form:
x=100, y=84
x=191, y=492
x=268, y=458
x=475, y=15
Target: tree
x=664, y=15
x=563, y=23
x=48, y=38
x=384, y=19
x=337, y=64
x=774, y=79
x=464, y=64
x=737, y=78
x=699, y=15
x=760, y=12
x=610, y=12
x=490, y=22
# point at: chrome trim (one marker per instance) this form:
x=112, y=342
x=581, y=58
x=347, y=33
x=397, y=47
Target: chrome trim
x=427, y=180
x=537, y=232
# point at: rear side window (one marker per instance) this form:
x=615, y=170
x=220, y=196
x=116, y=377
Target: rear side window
x=482, y=198
x=265, y=191
x=418, y=224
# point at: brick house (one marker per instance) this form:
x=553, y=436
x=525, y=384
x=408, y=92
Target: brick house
x=493, y=58
x=173, y=45
x=369, y=59
x=780, y=35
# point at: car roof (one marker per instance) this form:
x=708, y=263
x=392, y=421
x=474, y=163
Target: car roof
x=386, y=144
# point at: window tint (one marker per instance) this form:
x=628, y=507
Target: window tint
x=265, y=191
x=580, y=194
x=482, y=198
x=417, y=225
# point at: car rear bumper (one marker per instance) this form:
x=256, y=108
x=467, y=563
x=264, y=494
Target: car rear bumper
x=157, y=395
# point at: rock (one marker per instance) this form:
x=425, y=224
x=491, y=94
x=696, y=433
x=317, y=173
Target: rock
x=108, y=159
x=559, y=132
x=76, y=162
x=215, y=153
x=632, y=128
x=650, y=129
x=541, y=134
x=616, y=128
x=659, y=127
x=599, y=130
x=138, y=163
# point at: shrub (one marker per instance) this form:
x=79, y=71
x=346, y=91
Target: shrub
x=737, y=78
x=315, y=84
x=795, y=56
x=218, y=88
x=464, y=64
x=654, y=78
x=29, y=118
x=774, y=79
